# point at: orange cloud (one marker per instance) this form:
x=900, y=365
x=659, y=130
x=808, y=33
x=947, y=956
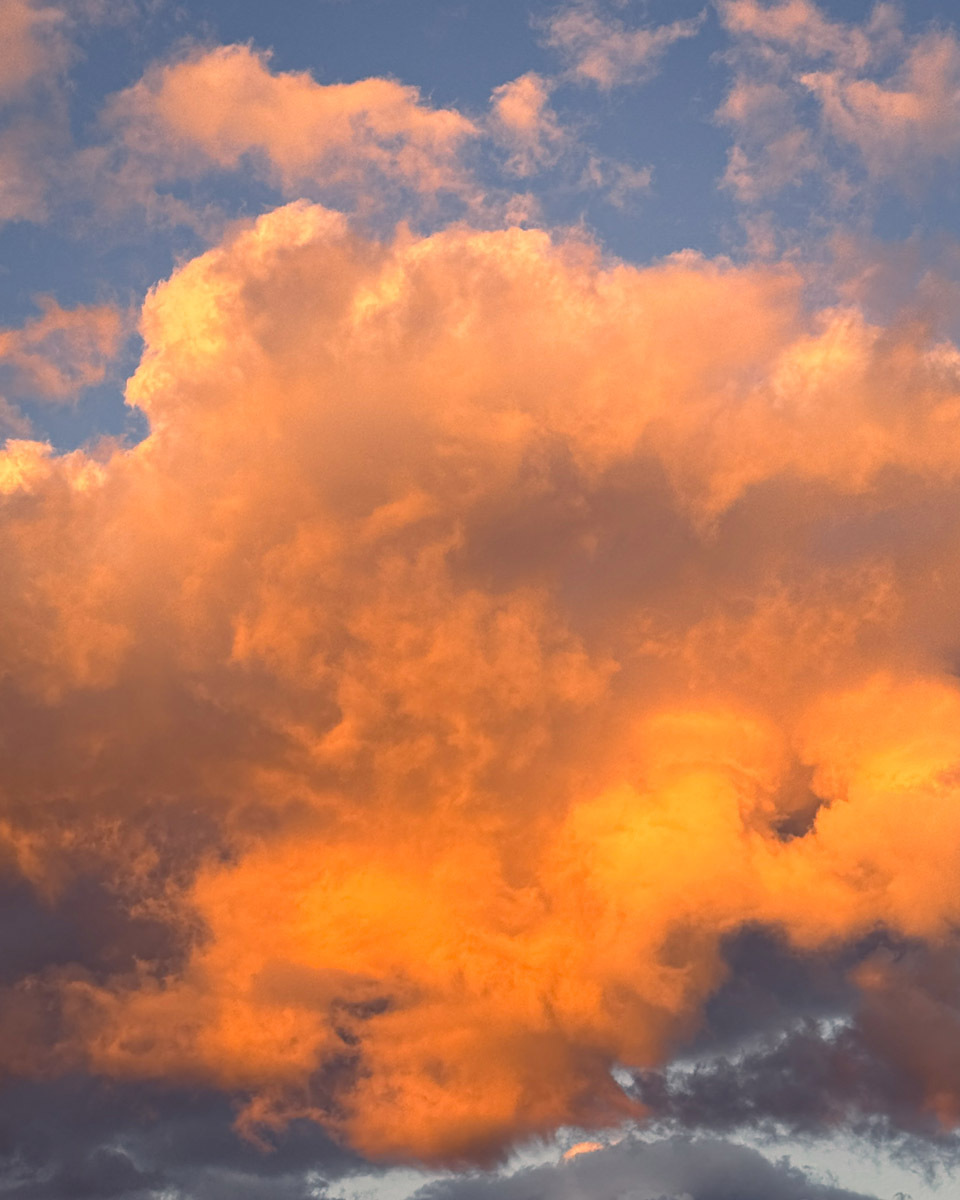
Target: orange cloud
x=446, y=666
x=217, y=107
x=582, y=1148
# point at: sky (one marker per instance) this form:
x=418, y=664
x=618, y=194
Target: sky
x=479, y=665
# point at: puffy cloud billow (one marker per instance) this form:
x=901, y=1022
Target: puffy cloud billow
x=484, y=633
x=509, y=689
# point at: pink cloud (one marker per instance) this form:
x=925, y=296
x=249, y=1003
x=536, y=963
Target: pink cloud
x=33, y=46
x=605, y=51
x=215, y=108
x=526, y=124
x=62, y=351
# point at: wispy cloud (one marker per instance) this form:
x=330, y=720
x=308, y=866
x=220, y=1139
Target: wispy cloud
x=57, y=354
x=858, y=108
x=602, y=49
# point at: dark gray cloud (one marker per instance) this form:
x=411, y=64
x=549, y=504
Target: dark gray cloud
x=803, y=1083
x=77, y=1138
x=770, y=985
x=671, y=1169
x=790, y=1048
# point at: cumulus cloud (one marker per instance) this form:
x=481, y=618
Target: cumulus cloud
x=507, y=689
x=773, y=150
x=807, y=1083
x=205, y=114
x=217, y=107
x=485, y=633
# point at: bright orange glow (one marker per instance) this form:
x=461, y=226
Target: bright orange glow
x=582, y=1148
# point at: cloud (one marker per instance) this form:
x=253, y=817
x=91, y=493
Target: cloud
x=524, y=121
x=216, y=108
x=203, y=115
x=620, y=183
x=908, y=120
x=24, y=180
x=77, y=1137
x=604, y=51
x=34, y=46
x=57, y=354
x=501, y=671
x=527, y=127
x=803, y=27
x=40, y=164
x=878, y=1066
x=886, y=94
x=35, y=53
x=806, y=1083
x=669, y=1170
x=773, y=151
x=485, y=633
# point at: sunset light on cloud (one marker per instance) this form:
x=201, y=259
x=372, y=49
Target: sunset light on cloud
x=480, y=655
